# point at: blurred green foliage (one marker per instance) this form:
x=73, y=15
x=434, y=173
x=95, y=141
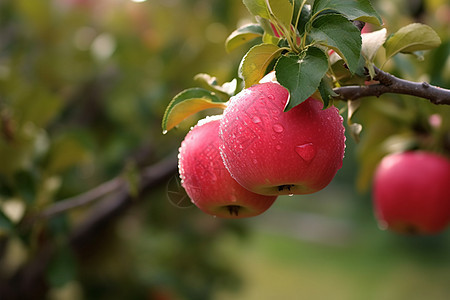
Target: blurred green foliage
x=83, y=87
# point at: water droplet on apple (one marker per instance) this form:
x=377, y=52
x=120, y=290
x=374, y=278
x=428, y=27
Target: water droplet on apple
x=278, y=147
x=273, y=136
x=306, y=151
x=256, y=120
x=278, y=128
x=270, y=96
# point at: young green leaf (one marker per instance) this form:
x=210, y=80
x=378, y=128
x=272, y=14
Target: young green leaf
x=243, y=35
x=338, y=33
x=210, y=83
x=326, y=92
x=371, y=42
x=304, y=17
x=187, y=103
x=301, y=74
x=257, y=8
x=282, y=11
x=413, y=37
x=354, y=128
x=255, y=63
x=360, y=10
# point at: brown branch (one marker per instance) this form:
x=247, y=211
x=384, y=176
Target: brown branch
x=83, y=199
x=388, y=83
x=29, y=281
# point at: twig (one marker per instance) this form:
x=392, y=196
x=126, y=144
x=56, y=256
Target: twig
x=83, y=199
x=388, y=83
x=116, y=203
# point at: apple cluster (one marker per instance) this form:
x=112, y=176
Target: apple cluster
x=411, y=192
x=236, y=164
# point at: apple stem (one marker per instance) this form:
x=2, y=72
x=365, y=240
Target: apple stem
x=234, y=210
x=285, y=187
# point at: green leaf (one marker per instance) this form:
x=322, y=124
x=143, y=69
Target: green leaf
x=209, y=82
x=303, y=18
x=62, y=268
x=187, y=103
x=338, y=33
x=26, y=185
x=257, y=8
x=360, y=10
x=65, y=152
x=243, y=35
x=282, y=10
x=326, y=92
x=413, y=37
x=301, y=74
x=255, y=63
x=371, y=42
x=6, y=225
x=355, y=128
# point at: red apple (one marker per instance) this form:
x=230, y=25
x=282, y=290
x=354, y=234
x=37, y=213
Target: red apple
x=207, y=181
x=411, y=192
x=272, y=152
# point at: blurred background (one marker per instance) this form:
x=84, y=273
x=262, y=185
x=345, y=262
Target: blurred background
x=90, y=203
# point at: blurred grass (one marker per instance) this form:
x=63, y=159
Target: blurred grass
x=280, y=267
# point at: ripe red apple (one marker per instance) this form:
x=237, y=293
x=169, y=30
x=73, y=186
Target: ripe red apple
x=411, y=192
x=207, y=181
x=272, y=152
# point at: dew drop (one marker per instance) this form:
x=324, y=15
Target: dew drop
x=256, y=120
x=306, y=151
x=278, y=147
x=278, y=128
x=164, y=131
x=274, y=136
x=270, y=96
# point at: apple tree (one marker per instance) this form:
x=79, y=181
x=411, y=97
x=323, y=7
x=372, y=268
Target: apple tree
x=91, y=203
x=273, y=141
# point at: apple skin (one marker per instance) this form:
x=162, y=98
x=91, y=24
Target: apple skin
x=207, y=181
x=272, y=152
x=411, y=192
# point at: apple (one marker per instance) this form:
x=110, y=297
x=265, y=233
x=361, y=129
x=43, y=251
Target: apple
x=207, y=181
x=411, y=192
x=272, y=152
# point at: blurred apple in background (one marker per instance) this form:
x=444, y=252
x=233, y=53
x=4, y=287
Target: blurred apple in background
x=411, y=192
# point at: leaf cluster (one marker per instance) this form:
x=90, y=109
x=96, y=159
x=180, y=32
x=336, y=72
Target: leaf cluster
x=312, y=47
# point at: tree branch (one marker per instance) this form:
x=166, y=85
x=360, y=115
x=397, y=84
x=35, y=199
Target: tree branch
x=29, y=281
x=388, y=83
x=83, y=199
